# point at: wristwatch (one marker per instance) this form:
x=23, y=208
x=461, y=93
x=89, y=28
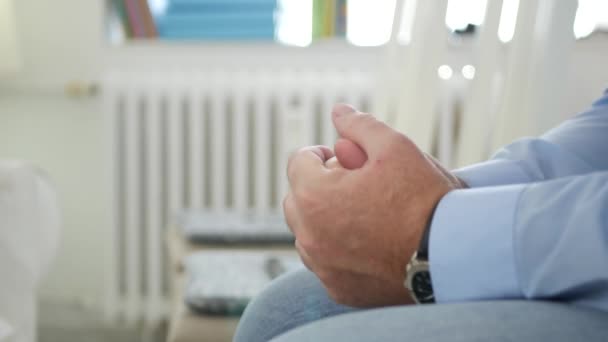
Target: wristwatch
x=418, y=277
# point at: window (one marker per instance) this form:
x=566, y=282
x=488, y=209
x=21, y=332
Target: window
x=591, y=15
x=367, y=23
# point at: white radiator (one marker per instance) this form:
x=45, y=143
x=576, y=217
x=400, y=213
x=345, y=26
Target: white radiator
x=217, y=140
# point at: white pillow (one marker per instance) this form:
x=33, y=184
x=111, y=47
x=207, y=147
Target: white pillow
x=6, y=332
x=29, y=233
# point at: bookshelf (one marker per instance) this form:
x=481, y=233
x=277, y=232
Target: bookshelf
x=324, y=52
x=301, y=23
x=318, y=50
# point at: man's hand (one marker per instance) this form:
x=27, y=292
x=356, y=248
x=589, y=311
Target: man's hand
x=359, y=217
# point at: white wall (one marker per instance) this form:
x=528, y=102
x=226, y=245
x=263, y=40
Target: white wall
x=64, y=137
x=60, y=41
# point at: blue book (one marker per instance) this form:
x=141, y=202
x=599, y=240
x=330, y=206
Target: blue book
x=199, y=34
x=220, y=5
x=222, y=2
x=241, y=20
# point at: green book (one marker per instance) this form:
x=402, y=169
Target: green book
x=329, y=26
x=317, y=18
x=119, y=7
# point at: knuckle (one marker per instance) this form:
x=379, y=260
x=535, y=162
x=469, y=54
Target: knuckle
x=364, y=120
x=303, y=256
x=306, y=244
x=307, y=199
x=396, y=143
x=310, y=246
x=296, y=160
x=298, y=245
x=289, y=210
x=287, y=204
x=399, y=140
x=310, y=261
x=291, y=167
x=372, y=122
x=292, y=223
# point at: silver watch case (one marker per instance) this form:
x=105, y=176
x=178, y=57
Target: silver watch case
x=414, y=266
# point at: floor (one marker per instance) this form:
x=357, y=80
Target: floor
x=59, y=322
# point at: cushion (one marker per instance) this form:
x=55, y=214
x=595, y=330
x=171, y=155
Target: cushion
x=223, y=282
x=233, y=228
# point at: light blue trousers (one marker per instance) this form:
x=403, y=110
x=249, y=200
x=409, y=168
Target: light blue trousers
x=295, y=307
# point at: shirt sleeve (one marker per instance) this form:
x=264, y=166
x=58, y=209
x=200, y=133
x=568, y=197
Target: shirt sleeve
x=546, y=240
x=577, y=146
x=532, y=225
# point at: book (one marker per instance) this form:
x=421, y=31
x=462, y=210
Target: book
x=225, y=34
x=216, y=20
x=317, y=19
x=135, y=20
x=139, y=17
x=147, y=19
x=329, y=18
x=218, y=5
x=120, y=11
x=341, y=18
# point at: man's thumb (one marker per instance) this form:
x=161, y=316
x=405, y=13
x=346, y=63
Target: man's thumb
x=349, y=154
x=360, y=128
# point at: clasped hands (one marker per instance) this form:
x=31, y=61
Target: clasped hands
x=358, y=212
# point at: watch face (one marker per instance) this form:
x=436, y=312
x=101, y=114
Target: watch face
x=421, y=285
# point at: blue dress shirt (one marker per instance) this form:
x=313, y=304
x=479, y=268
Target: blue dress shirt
x=534, y=223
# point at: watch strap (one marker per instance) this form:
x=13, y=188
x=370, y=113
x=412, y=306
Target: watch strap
x=423, y=248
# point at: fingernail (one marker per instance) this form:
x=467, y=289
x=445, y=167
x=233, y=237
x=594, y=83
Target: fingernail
x=343, y=109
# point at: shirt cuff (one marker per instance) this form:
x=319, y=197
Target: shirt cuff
x=471, y=250
x=492, y=173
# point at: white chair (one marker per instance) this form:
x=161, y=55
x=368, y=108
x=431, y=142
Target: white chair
x=29, y=234
x=504, y=102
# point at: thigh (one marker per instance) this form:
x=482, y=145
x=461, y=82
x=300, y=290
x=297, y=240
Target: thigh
x=292, y=300
x=520, y=321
